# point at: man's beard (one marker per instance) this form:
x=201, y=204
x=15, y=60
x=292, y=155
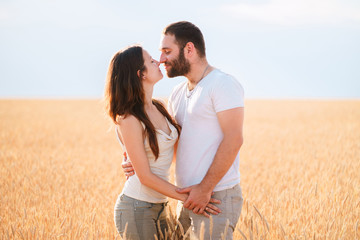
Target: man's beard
x=179, y=66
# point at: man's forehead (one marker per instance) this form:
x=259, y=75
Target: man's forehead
x=167, y=41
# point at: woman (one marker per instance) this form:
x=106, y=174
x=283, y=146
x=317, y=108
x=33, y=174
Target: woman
x=147, y=134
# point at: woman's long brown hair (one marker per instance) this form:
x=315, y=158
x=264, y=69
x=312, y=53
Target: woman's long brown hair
x=124, y=93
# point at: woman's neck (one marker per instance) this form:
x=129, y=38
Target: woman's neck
x=148, y=98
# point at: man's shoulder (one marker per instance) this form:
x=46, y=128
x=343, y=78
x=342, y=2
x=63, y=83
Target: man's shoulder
x=180, y=86
x=219, y=74
x=177, y=90
x=222, y=78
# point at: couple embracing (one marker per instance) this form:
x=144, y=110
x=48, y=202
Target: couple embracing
x=201, y=127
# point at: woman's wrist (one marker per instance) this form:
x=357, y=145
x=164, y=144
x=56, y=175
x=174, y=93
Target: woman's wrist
x=183, y=197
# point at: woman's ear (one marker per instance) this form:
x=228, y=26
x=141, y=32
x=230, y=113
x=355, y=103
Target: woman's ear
x=140, y=75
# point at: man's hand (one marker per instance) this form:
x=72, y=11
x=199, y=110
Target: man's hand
x=127, y=167
x=198, y=200
x=212, y=209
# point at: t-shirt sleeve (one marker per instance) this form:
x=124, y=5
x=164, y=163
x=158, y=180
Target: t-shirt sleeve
x=227, y=94
x=170, y=104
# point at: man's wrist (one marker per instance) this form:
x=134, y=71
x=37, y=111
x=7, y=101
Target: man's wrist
x=206, y=188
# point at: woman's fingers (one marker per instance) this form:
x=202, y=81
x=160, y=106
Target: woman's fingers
x=213, y=200
x=206, y=214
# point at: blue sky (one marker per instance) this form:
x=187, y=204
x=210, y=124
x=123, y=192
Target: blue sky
x=275, y=48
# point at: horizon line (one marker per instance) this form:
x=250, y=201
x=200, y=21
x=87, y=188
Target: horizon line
x=163, y=97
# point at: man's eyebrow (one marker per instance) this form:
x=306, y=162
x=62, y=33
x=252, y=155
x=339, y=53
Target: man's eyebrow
x=164, y=48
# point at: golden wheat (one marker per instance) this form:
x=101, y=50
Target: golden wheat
x=60, y=170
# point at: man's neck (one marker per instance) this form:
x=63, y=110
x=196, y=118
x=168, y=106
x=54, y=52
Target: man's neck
x=197, y=73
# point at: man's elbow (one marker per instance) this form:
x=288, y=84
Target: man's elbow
x=239, y=141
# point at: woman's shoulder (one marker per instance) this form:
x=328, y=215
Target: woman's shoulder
x=128, y=121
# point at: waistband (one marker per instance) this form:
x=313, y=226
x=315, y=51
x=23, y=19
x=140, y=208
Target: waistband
x=123, y=196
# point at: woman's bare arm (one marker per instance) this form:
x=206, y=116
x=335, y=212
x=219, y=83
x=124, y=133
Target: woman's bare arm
x=132, y=136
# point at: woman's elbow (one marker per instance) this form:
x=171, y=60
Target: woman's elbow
x=145, y=179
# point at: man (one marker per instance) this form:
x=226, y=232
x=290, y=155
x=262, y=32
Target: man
x=209, y=107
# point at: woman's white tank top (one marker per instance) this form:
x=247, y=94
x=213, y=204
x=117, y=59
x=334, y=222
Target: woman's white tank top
x=161, y=167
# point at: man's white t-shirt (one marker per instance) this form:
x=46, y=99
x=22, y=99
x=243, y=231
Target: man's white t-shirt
x=195, y=111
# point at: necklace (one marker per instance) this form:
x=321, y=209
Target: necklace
x=189, y=93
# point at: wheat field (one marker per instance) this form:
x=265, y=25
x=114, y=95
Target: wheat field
x=300, y=170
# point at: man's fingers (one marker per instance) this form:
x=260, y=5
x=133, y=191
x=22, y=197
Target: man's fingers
x=129, y=174
x=213, y=200
x=128, y=169
x=183, y=190
x=212, y=209
x=126, y=164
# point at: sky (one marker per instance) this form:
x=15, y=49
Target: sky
x=274, y=48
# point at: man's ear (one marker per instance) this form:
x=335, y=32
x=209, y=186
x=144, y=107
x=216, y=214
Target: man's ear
x=189, y=49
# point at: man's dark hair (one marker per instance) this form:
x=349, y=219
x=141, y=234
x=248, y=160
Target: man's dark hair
x=185, y=32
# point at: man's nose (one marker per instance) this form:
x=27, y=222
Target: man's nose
x=162, y=58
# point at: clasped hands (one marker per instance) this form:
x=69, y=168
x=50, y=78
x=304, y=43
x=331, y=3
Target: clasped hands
x=198, y=200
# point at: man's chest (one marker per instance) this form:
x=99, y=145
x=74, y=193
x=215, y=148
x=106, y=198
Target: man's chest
x=198, y=107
